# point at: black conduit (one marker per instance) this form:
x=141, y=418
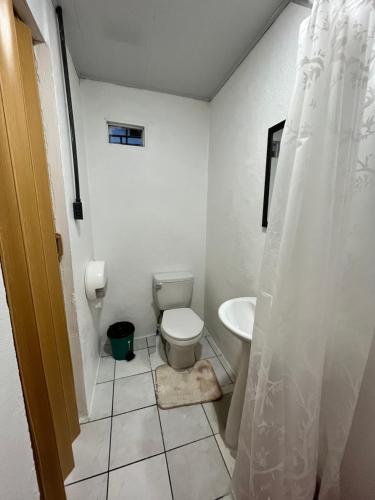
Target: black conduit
x=77, y=204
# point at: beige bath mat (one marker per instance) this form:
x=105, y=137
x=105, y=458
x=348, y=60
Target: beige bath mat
x=186, y=387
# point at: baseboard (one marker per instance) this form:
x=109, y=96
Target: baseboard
x=220, y=355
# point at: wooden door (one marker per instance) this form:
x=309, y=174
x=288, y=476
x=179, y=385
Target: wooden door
x=30, y=262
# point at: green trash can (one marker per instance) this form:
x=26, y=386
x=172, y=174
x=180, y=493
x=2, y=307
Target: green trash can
x=121, y=336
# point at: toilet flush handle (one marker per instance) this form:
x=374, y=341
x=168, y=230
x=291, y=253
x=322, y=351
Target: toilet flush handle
x=158, y=286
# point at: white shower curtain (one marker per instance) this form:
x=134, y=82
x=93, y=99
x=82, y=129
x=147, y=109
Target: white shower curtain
x=316, y=305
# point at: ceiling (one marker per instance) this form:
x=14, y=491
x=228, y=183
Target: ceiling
x=183, y=47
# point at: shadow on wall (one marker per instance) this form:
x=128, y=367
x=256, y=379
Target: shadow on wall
x=357, y=468
x=96, y=312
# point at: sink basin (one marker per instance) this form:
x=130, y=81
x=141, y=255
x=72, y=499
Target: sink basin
x=237, y=315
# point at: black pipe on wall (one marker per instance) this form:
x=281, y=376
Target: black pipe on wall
x=77, y=204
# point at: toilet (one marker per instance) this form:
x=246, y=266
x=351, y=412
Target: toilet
x=180, y=326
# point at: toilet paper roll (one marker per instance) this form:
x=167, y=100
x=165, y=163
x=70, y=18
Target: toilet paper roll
x=95, y=279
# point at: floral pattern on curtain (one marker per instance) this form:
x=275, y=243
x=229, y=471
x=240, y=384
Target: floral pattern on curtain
x=315, y=314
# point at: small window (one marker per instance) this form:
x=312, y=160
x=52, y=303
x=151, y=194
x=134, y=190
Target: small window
x=126, y=134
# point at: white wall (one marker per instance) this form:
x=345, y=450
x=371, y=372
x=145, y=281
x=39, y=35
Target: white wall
x=17, y=471
x=255, y=98
x=78, y=235
x=81, y=237
x=148, y=204
x=52, y=141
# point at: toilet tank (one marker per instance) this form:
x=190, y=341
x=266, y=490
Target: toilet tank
x=173, y=290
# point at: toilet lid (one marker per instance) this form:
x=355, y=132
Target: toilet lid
x=182, y=323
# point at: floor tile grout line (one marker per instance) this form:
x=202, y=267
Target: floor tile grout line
x=148, y=347
x=116, y=468
x=217, y=444
x=208, y=357
x=137, y=409
x=136, y=461
x=126, y=376
x=231, y=376
x=109, y=450
x=162, y=437
x=118, y=414
x=149, y=355
x=95, y=420
x=218, y=357
x=222, y=456
x=209, y=423
x=106, y=382
x=132, y=411
x=226, y=371
x=104, y=355
x=153, y=369
x=134, y=375
x=109, y=355
x=208, y=420
x=141, y=460
x=86, y=478
x=110, y=433
x=152, y=374
x=212, y=347
x=190, y=442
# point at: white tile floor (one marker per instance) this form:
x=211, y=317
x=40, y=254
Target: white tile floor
x=131, y=449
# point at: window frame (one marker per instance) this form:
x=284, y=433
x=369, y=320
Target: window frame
x=128, y=127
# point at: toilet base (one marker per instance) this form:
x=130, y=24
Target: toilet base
x=181, y=358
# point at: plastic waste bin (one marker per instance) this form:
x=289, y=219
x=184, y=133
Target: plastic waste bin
x=121, y=336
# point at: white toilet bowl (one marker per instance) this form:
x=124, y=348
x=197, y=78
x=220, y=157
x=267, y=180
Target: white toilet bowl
x=182, y=328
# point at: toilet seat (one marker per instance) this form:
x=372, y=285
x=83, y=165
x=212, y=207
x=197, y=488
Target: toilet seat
x=182, y=326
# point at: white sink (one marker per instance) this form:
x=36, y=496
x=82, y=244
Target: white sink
x=237, y=315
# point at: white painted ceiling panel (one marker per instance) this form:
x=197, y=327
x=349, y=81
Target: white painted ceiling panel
x=183, y=47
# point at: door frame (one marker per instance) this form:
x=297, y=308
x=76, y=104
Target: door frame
x=17, y=257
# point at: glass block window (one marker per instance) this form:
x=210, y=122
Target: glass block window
x=129, y=135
